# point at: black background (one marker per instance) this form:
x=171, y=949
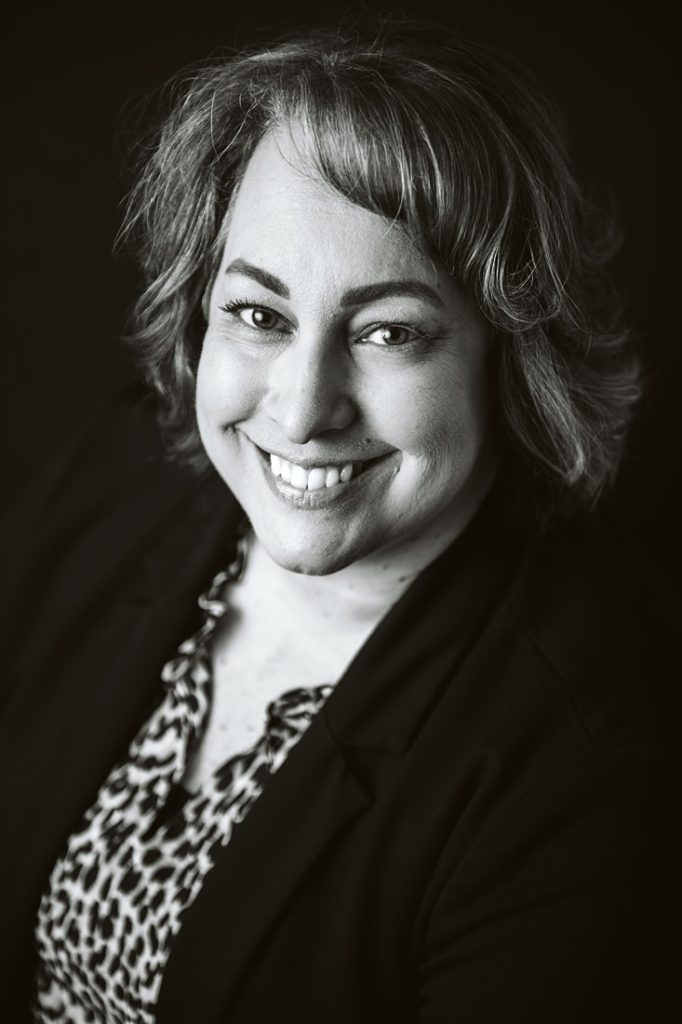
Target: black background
x=76, y=72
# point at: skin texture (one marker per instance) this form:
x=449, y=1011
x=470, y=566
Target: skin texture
x=310, y=377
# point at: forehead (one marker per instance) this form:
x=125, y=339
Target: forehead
x=287, y=218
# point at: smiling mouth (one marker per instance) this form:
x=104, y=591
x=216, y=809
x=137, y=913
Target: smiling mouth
x=316, y=478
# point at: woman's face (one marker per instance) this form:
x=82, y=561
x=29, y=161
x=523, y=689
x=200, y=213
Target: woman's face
x=341, y=390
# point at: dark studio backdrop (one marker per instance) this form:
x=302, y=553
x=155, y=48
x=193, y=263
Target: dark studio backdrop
x=73, y=75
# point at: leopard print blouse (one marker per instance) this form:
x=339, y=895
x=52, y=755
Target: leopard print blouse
x=116, y=896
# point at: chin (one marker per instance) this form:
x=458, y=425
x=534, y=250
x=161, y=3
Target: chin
x=308, y=563
x=308, y=555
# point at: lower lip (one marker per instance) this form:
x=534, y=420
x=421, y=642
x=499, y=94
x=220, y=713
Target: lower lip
x=326, y=497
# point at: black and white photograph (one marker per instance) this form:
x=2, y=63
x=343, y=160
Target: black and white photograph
x=340, y=549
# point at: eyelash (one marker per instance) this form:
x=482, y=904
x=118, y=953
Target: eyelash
x=235, y=306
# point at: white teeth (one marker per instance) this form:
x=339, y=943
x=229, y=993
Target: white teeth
x=299, y=477
x=317, y=479
x=312, y=480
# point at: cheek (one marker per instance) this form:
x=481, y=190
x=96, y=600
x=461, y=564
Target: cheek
x=440, y=417
x=227, y=385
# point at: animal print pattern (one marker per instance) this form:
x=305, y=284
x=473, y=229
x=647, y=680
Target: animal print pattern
x=116, y=896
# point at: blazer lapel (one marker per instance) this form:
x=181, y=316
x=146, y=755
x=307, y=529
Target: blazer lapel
x=302, y=809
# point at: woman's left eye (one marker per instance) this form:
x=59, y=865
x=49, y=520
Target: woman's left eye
x=391, y=335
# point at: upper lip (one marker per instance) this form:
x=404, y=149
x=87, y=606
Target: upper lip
x=312, y=461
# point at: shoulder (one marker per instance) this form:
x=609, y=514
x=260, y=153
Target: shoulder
x=551, y=710
x=107, y=499
x=109, y=454
x=593, y=619
x=560, y=874
x=111, y=465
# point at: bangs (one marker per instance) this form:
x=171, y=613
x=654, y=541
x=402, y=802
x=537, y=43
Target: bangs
x=389, y=153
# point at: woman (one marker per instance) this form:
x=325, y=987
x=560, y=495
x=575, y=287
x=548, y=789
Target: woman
x=392, y=766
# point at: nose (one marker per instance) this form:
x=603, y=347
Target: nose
x=310, y=390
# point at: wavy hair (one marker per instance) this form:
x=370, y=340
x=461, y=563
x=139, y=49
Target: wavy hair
x=462, y=147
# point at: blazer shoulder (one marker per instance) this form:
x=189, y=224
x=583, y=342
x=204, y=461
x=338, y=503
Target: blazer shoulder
x=109, y=449
x=108, y=498
x=590, y=613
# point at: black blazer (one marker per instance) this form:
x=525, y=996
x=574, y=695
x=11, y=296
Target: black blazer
x=455, y=837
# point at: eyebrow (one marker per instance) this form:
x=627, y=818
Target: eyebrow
x=268, y=280
x=354, y=297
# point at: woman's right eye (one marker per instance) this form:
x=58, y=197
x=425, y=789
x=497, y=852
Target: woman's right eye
x=259, y=318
